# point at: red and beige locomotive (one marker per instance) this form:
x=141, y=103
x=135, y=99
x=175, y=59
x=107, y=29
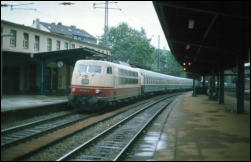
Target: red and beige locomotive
x=96, y=83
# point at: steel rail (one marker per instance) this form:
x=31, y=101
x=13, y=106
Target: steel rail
x=69, y=154
x=136, y=135
x=10, y=129
x=38, y=130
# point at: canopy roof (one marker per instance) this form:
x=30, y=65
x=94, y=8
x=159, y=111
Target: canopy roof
x=212, y=35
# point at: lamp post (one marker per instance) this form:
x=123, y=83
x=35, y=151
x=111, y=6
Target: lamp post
x=2, y=35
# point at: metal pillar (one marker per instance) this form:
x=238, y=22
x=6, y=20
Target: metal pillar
x=213, y=84
x=2, y=35
x=68, y=81
x=1, y=66
x=221, y=92
x=194, y=90
x=42, y=82
x=240, y=86
x=212, y=87
x=106, y=18
x=203, y=80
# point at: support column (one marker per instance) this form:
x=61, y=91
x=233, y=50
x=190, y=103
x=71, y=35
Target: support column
x=221, y=93
x=213, y=84
x=203, y=81
x=240, y=86
x=210, y=87
x=42, y=82
x=194, y=88
x=68, y=77
x=217, y=84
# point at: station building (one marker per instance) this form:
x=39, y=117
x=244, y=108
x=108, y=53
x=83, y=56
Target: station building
x=39, y=59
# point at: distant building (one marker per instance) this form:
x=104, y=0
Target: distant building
x=70, y=31
x=37, y=60
x=28, y=39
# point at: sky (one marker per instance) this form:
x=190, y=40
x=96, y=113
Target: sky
x=137, y=14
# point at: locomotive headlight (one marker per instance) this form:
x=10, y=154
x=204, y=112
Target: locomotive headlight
x=98, y=91
x=73, y=89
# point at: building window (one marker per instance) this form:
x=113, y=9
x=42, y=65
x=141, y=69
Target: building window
x=73, y=46
x=58, y=45
x=26, y=41
x=66, y=45
x=36, y=44
x=13, y=38
x=49, y=44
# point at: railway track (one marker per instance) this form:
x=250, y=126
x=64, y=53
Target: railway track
x=113, y=142
x=24, y=150
x=21, y=133
x=42, y=118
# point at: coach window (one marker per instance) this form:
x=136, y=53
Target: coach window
x=109, y=70
x=126, y=72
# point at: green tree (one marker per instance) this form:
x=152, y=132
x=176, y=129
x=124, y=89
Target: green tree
x=169, y=65
x=129, y=45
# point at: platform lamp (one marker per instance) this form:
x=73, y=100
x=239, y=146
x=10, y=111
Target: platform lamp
x=3, y=35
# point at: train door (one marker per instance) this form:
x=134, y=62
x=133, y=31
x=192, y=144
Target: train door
x=114, y=79
x=110, y=74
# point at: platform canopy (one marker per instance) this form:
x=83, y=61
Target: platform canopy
x=211, y=35
x=70, y=55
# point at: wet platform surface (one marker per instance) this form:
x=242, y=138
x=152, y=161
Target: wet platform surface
x=201, y=129
x=17, y=102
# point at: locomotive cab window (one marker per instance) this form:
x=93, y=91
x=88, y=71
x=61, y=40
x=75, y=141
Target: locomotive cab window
x=109, y=70
x=94, y=69
x=81, y=68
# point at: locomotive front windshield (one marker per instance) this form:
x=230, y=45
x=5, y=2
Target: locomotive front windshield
x=81, y=68
x=90, y=68
x=94, y=69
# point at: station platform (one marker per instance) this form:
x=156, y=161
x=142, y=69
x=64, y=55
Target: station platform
x=202, y=129
x=22, y=102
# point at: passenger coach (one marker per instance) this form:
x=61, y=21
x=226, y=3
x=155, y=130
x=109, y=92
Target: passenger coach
x=152, y=82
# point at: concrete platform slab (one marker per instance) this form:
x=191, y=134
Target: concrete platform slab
x=17, y=102
x=201, y=129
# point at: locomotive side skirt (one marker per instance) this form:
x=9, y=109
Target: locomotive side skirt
x=104, y=91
